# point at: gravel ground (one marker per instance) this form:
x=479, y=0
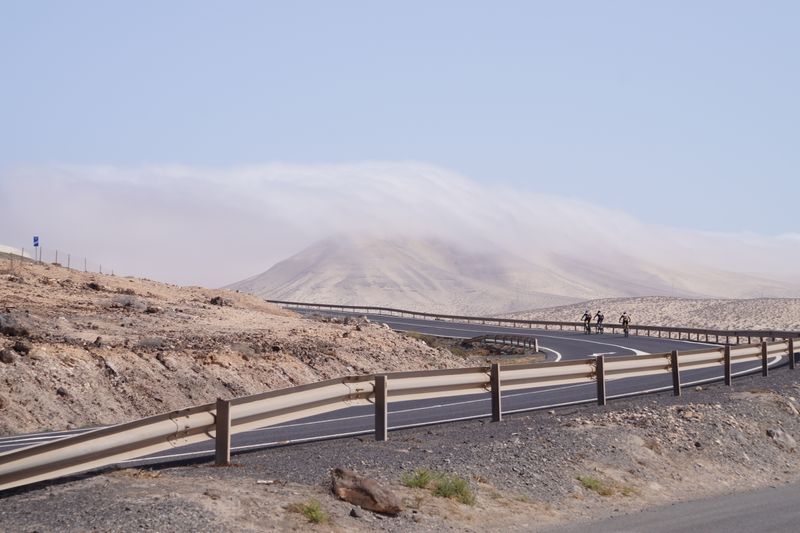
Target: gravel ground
x=631, y=454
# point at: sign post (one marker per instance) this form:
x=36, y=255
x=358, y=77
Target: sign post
x=37, y=252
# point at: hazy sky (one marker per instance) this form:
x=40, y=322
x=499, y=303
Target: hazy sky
x=682, y=114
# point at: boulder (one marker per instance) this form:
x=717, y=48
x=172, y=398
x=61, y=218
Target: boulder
x=8, y=356
x=22, y=347
x=782, y=439
x=11, y=326
x=37, y=354
x=364, y=492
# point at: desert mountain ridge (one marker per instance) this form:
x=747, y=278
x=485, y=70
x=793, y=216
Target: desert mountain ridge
x=438, y=275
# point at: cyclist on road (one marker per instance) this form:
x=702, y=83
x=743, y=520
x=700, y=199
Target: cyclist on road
x=587, y=320
x=600, y=317
x=625, y=320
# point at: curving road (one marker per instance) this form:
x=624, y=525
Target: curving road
x=561, y=345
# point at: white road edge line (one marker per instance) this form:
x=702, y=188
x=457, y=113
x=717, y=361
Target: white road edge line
x=558, y=355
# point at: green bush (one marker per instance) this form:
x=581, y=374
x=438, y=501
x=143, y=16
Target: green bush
x=442, y=485
x=592, y=483
x=455, y=488
x=311, y=510
x=418, y=479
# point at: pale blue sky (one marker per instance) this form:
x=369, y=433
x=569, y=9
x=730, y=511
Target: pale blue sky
x=683, y=113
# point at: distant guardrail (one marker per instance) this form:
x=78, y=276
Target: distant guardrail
x=520, y=341
x=678, y=333
x=108, y=446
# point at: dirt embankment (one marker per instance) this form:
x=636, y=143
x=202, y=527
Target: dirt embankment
x=84, y=349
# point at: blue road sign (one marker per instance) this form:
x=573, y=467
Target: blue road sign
x=35, y=241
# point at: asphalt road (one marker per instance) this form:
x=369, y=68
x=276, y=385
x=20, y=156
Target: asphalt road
x=563, y=345
x=774, y=510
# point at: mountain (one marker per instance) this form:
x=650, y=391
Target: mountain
x=441, y=276
x=429, y=275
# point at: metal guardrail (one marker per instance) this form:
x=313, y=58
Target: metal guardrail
x=108, y=446
x=521, y=341
x=692, y=334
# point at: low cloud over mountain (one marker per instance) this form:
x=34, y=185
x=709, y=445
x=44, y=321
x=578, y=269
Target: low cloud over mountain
x=214, y=226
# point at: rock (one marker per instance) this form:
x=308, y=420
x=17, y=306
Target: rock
x=698, y=388
x=153, y=309
x=357, y=512
x=61, y=391
x=167, y=363
x=245, y=350
x=10, y=326
x=4, y=402
x=22, y=347
x=93, y=285
x=782, y=439
x=8, y=356
x=98, y=342
x=218, y=300
x=213, y=494
x=364, y=492
x=112, y=369
x=37, y=354
x=276, y=348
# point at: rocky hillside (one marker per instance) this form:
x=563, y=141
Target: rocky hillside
x=82, y=349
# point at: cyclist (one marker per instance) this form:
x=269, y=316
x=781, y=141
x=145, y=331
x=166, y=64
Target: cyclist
x=587, y=320
x=625, y=320
x=600, y=317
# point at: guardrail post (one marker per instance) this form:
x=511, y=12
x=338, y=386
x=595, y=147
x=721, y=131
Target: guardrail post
x=676, y=373
x=791, y=354
x=536, y=345
x=764, y=367
x=497, y=407
x=727, y=363
x=381, y=411
x=600, y=374
x=222, y=437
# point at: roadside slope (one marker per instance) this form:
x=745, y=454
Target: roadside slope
x=83, y=349
x=527, y=473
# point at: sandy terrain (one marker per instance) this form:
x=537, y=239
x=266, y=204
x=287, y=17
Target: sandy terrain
x=104, y=349
x=760, y=313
